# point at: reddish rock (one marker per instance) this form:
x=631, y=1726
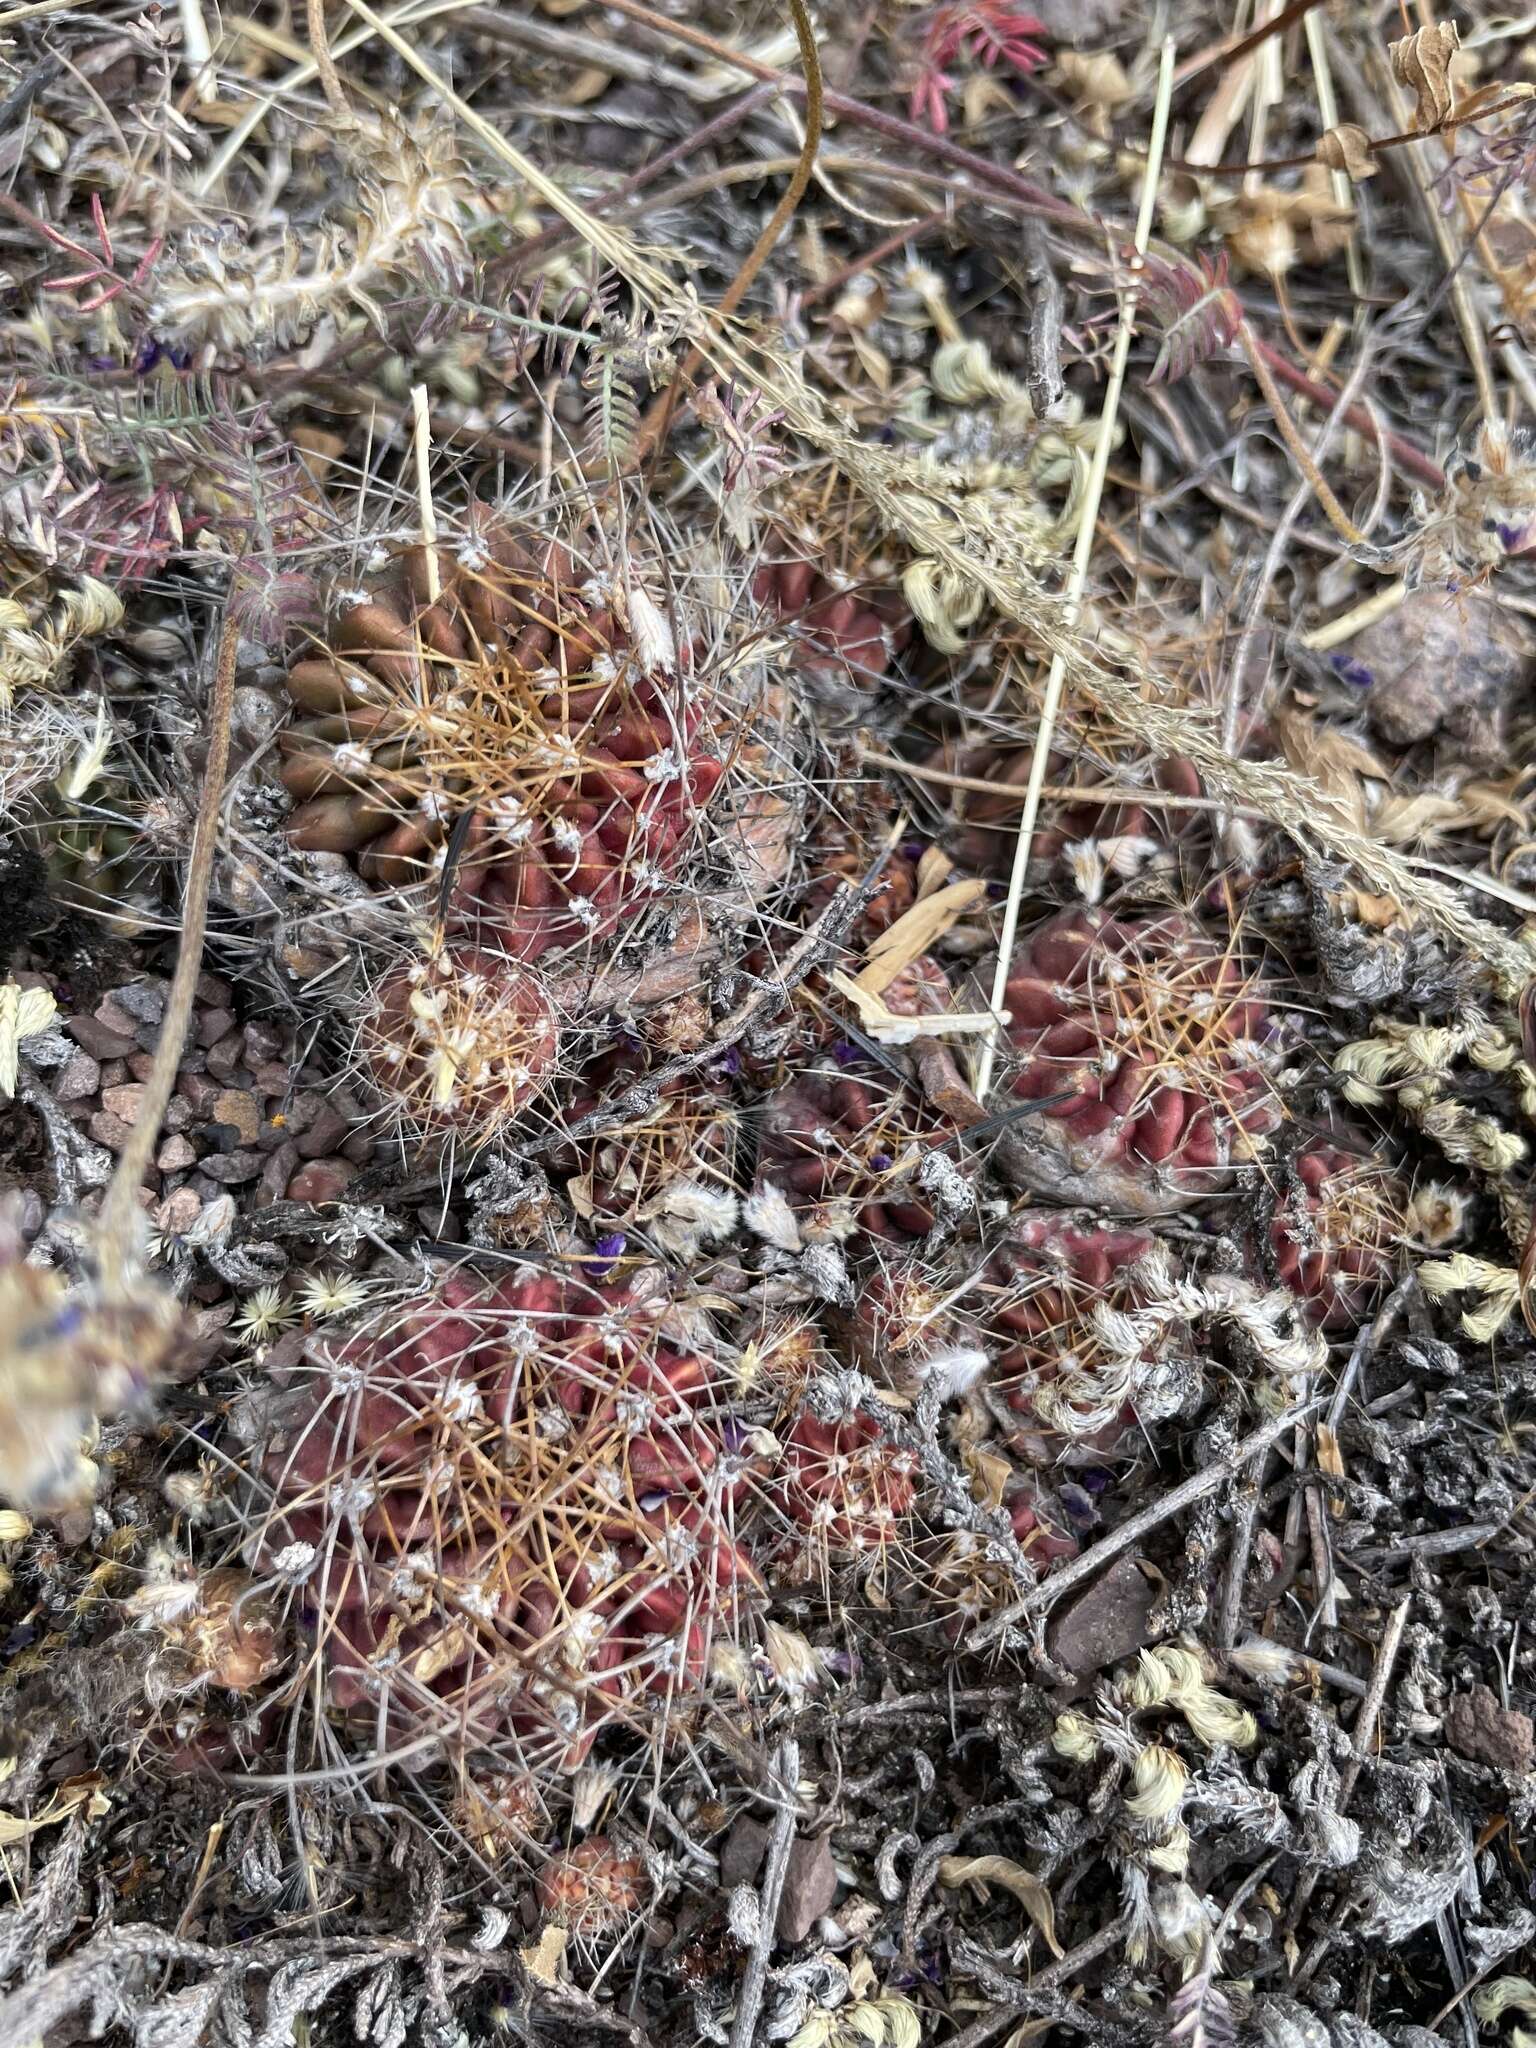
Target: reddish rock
x=176, y=1154
x=324, y=1134
x=224, y=1058
x=1477, y=1727
x=100, y=1040
x=124, y=1102
x=280, y=1167
x=213, y=1025
x=810, y=1886
x=323, y=1180
x=109, y=1130
x=78, y=1079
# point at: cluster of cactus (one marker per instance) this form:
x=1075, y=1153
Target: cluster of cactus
x=1162, y=1047
x=510, y=1508
x=518, y=1512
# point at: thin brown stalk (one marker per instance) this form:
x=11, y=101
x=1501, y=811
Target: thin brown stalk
x=325, y=64
x=653, y=431
x=1300, y=453
x=119, y=1208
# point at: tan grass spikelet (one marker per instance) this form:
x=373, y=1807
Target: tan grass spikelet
x=411, y=199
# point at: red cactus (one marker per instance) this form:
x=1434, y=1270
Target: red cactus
x=962, y=1575
x=845, y=632
x=847, y=1489
x=1162, y=1042
x=495, y=686
x=511, y=1507
x=906, y=1329
x=840, y=1146
x=1335, y=1233
x=594, y=1888
x=1041, y=1531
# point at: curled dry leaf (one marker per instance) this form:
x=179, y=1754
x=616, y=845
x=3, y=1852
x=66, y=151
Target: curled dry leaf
x=1347, y=148
x=915, y=931
x=1013, y=1877
x=1422, y=62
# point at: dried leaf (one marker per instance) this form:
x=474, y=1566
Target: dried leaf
x=1013, y=1877
x=1348, y=149
x=934, y=869
x=915, y=931
x=1379, y=913
x=1094, y=79
x=544, y=1959
x=84, y=1792
x=1338, y=764
x=884, y=1025
x=1422, y=62
x=1419, y=820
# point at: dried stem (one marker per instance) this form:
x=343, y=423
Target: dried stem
x=1301, y=455
x=1045, y=1596
x=325, y=64
x=1077, y=582
x=1361, y=1736
x=781, y=1840
x=653, y=431
x=119, y=1208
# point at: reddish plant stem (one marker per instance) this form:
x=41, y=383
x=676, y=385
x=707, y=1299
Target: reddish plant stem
x=905, y=132
x=1359, y=417
x=1232, y=51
